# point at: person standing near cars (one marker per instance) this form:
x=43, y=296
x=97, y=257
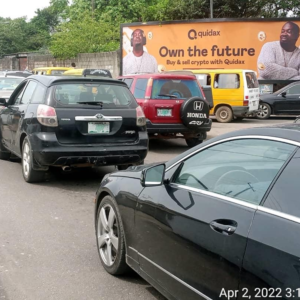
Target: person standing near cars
x=281, y=59
x=139, y=61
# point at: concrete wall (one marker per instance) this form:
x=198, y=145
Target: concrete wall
x=104, y=60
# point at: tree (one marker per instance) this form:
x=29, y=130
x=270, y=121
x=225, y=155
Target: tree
x=83, y=35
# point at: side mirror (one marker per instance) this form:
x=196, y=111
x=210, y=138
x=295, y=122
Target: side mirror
x=3, y=102
x=153, y=176
x=283, y=94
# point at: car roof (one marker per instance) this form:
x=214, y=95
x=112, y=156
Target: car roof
x=53, y=68
x=50, y=80
x=226, y=71
x=160, y=76
x=281, y=131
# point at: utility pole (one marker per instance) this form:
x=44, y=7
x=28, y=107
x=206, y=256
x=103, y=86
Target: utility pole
x=211, y=9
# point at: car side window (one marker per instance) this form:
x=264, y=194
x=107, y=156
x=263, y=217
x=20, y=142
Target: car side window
x=294, y=90
x=17, y=98
x=38, y=96
x=241, y=169
x=227, y=81
x=288, y=181
x=204, y=79
x=128, y=81
x=140, y=88
x=28, y=93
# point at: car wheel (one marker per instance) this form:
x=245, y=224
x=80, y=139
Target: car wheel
x=224, y=114
x=4, y=153
x=29, y=174
x=264, y=111
x=110, y=237
x=193, y=142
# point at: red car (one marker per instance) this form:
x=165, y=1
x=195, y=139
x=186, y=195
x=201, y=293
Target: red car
x=174, y=105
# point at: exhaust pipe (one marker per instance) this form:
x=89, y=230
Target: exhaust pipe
x=66, y=168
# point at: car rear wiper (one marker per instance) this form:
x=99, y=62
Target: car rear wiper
x=91, y=102
x=168, y=95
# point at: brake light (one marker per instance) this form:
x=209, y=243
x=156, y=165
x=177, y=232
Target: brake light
x=149, y=89
x=140, y=117
x=46, y=115
x=245, y=103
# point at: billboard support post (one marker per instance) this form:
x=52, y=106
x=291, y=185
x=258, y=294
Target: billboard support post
x=211, y=9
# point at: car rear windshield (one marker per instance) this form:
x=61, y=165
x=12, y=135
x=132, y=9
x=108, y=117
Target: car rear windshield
x=252, y=81
x=175, y=88
x=9, y=83
x=89, y=94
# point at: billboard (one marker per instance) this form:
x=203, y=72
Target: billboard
x=268, y=46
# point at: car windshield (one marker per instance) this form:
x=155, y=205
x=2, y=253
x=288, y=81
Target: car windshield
x=108, y=95
x=9, y=83
x=175, y=89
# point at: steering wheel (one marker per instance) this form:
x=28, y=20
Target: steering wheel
x=242, y=175
x=187, y=175
x=176, y=93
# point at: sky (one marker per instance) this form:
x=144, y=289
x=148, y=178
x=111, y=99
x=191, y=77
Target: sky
x=20, y=8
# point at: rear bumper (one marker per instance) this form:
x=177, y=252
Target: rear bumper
x=242, y=111
x=49, y=152
x=177, y=128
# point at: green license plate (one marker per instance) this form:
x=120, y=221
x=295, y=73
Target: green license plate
x=98, y=127
x=164, y=112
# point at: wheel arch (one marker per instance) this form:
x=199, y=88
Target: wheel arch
x=22, y=138
x=221, y=104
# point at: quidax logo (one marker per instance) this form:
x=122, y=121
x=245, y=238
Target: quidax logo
x=197, y=115
x=198, y=105
x=196, y=123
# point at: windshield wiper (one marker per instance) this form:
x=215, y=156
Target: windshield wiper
x=168, y=95
x=91, y=102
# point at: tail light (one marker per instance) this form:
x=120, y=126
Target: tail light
x=140, y=117
x=46, y=115
x=245, y=103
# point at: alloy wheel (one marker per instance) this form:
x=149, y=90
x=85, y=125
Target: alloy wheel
x=26, y=160
x=108, y=235
x=263, y=111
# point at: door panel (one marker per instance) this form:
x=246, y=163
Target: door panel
x=192, y=250
x=272, y=254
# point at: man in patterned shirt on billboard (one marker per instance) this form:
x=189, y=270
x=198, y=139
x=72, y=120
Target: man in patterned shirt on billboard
x=139, y=61
x=281, y=59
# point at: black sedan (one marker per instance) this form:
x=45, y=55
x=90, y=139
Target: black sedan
x=285, y=101
x=220, y=221
x=72, y=122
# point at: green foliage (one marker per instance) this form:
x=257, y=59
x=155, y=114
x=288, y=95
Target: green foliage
x=83, y=35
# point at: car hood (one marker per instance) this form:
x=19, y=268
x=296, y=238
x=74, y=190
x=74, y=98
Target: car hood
x=267, y=96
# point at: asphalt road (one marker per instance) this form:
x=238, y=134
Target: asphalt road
x=47, y=242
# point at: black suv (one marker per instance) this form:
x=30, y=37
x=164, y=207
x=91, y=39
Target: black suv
x=72, y=122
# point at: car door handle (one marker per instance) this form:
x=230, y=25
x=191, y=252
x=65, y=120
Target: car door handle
x=226, y=227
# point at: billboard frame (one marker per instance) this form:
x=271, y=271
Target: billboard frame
x=208, y=20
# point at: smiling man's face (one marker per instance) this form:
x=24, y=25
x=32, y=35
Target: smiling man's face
x=288, y=34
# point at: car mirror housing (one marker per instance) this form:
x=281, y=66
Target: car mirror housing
x=3, y=102
x=153, y=176
x=283, y=94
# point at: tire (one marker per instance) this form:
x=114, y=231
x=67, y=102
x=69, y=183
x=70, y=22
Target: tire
x=29, y=174
x=4, y=153
x=110, y=235
x=194, y=112
x=224, y=114
x=264, y=111
x=193, y=142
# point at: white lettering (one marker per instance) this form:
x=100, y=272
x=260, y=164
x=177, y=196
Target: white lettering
x=196, y=115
